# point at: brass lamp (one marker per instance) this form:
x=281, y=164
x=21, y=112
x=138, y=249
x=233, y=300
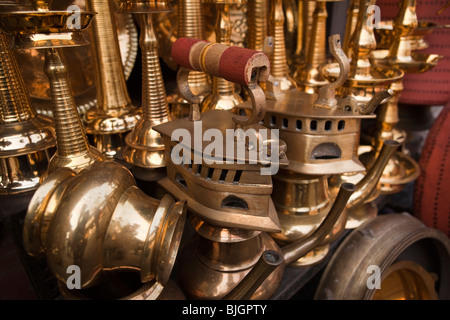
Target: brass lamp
x=401, y=169
x=114, y=115
x=144, y=148
x=307, y=75
x=26, y=139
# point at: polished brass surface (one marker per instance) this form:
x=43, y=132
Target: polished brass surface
x=384, y=242
x=79, y=63
x=258, y=20
x=307, y=76
x=144, y=146
x=73, y=148
x=114, y=116
x=27, y=140
x=117, y=226
x=223, y=94
x=280, y=79
x=407, y=280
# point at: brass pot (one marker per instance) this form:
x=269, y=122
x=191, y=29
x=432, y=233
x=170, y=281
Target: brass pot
x=387, y=242
x=99, y=220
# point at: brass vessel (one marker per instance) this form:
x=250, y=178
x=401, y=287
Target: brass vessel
x=144, y=148
x=117, y=225
x=399, y=245
x=223, y=95
x=114, y=115
x=79, y=63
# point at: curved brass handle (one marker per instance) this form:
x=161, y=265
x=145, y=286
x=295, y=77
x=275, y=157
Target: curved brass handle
x=235, y=64
x=327, y=93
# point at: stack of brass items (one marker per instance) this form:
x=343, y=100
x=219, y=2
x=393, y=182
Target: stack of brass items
x=259, y=146
x=401, y=169
x=233, y=222
x=86, y=210
x=322, y=135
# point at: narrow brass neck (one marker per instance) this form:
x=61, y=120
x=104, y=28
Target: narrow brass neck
x=14, y=101
x=257, y=21
x=350, y=25
x=278, y=61
x=154, y=97
x=112, y=94
x=73, y=148
x=316, y=49
x=71, y=138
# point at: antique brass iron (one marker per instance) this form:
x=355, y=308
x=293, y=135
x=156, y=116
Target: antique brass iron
x=26, y=139
x=231, y=221
x=401, y=169
x=363, y=82
x=322, y=132
x=144, y=147
x=114, y=115
x=223, y=94
x=280, y=79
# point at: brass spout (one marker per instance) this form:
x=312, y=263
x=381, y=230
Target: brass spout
x=73, y=148
x=292, y=252
x=365, y=187
x=99, y=220
x=26, y=139
x=114, y=115
x=266, y=264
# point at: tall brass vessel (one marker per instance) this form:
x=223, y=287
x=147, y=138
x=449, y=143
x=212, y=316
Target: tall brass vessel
x=114, y=115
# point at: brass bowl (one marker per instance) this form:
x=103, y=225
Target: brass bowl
x=415, y=63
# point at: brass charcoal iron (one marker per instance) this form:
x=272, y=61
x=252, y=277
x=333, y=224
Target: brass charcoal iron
x=322, y=135
x=228, y=197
